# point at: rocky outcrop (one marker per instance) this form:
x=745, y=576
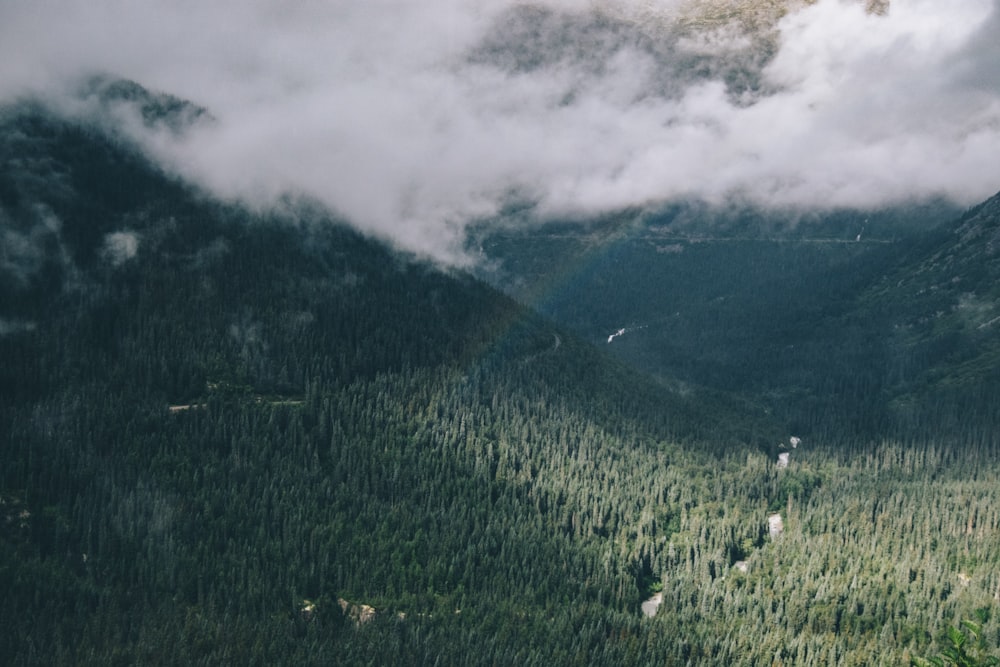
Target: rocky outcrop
x=359, y=613
x=775, y=526
x=650, y=606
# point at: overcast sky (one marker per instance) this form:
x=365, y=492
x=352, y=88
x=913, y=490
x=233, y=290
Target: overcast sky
x=411, y=119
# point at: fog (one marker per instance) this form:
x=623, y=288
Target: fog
x=414, y=120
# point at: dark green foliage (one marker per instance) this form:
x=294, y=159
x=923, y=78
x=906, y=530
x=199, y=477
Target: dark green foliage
x=248, y=412
x=889, y=333
x=964, y=646
x=214, y=446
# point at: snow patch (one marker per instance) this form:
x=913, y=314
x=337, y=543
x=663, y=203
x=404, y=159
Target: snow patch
x=625, y=330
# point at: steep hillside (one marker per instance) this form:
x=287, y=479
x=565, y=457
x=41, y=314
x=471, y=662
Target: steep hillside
x=736, y=300
x=257, y=437
x=210, y=416
x=939, y=307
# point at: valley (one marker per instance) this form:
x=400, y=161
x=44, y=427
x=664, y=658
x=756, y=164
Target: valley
x=346, y=423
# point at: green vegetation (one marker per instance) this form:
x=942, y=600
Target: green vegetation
x=886, y=334
x=963, y=646
x=371, y=461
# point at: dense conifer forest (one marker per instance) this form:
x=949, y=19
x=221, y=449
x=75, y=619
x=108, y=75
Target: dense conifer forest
x=255, y=437
x=839, y=320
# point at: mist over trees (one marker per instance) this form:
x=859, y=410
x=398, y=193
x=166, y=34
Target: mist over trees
x=247, y=437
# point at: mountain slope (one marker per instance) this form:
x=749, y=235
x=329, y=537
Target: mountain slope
x=939, y=307
x=259, y=438
x=734, y=300
x=210, y=416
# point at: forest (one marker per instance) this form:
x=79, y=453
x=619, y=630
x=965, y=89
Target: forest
x=257, y=437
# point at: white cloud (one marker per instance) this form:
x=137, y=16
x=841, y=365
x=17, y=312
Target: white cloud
x=397, y=116
x=119, y=247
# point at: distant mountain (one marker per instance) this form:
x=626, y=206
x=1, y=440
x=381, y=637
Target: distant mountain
x=681, y=38
x=157, y=110
x=838, y=320
x=939, y=308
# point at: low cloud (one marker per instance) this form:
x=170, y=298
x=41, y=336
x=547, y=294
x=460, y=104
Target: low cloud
x=120, y=247
x=412, y=119
x=29, y=242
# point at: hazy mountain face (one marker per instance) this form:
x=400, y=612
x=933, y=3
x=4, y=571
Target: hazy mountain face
x=412, y=120
x=845, y=316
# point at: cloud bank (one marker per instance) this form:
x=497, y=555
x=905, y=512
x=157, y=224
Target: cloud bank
x=413, y=119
